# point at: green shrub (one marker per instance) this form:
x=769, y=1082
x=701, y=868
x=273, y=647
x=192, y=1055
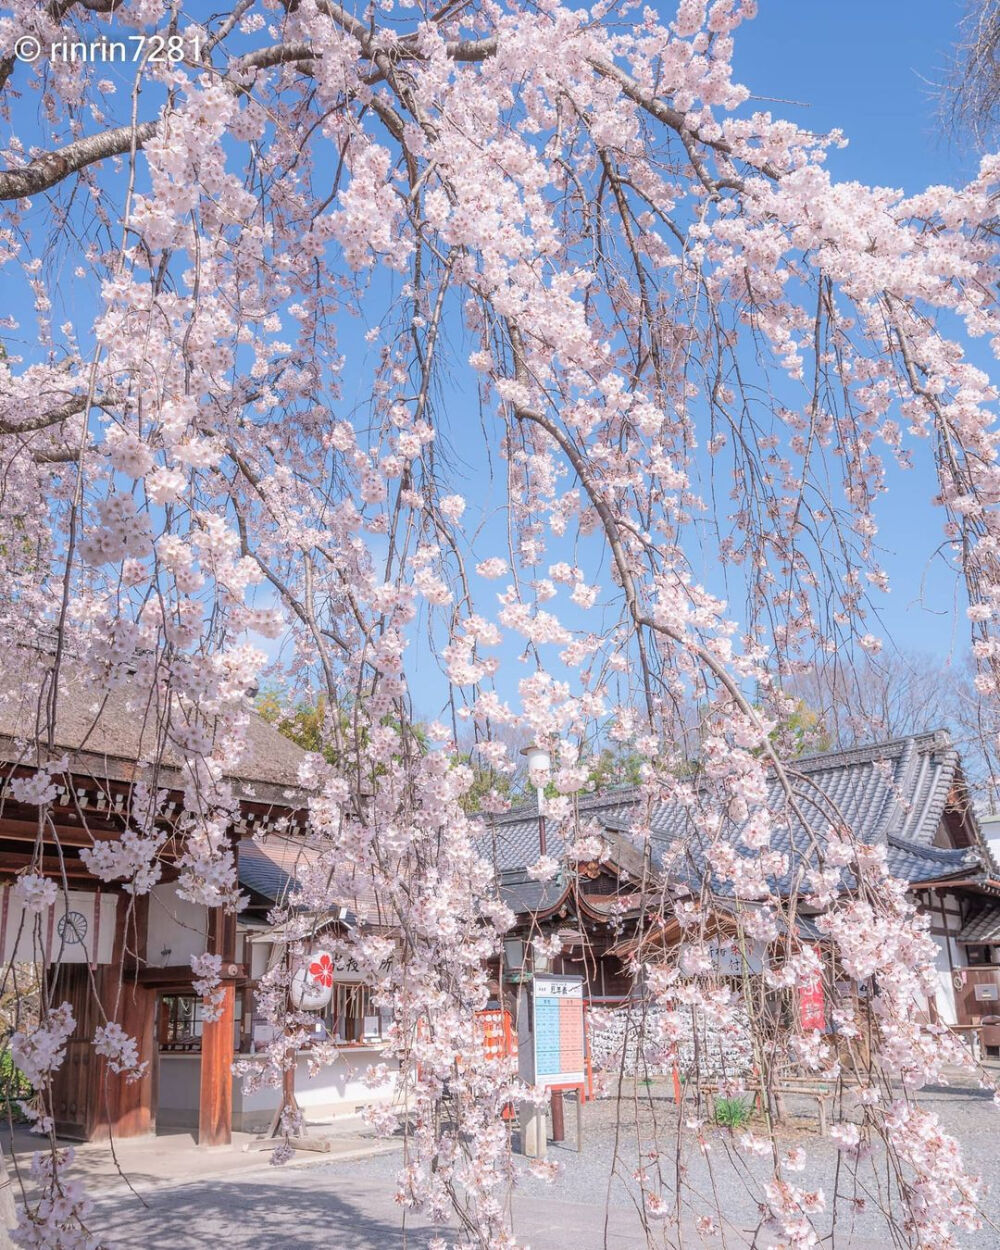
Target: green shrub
x=14, y=1084
x=733, y=1112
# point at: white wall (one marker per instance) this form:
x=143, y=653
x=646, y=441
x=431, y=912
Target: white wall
x=175, y=925
x=337, y=1089
x=990, y=826
x=945, y=989
x=87, y=918
x=257, y=955
x=949, y=956
x=179, y=1090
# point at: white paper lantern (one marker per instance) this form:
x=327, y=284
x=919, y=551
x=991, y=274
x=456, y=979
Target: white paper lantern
x=311, y=987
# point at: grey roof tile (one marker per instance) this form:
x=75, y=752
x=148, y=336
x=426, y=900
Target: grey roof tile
x=258, y=872
x=893, y=793
x=522, y=894
x=983, y=928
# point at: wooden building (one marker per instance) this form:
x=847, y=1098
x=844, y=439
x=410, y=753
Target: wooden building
x=907, y=795
x=118, y=955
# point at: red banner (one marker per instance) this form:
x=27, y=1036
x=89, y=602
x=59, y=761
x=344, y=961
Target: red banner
x=812, y=1006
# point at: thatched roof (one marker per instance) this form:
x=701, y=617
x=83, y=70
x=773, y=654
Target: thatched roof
x=115, y=734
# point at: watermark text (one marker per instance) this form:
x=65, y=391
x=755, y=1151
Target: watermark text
x=130, y=50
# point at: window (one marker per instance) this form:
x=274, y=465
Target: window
x=180, y=1022
x=352, y=1017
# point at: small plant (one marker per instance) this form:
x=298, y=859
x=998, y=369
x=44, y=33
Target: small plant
x=732, y=1112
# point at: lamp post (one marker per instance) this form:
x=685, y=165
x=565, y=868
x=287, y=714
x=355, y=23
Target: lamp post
x=539, y=762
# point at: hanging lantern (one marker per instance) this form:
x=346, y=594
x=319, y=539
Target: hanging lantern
x=311, y=986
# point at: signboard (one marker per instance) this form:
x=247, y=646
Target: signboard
x=812, y=1008
x=347, y=972
x=558, y=1032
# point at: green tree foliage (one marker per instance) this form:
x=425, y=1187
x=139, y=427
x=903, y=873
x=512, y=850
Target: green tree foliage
x=302, y=722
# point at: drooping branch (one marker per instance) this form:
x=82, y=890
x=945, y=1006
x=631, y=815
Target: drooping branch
x=50, y=168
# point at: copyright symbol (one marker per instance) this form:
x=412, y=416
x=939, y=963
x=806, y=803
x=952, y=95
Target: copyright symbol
x=27, y=48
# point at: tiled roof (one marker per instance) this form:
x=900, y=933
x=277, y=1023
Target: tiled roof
x=983, y=928
x=277, y=867
x=916, y=863
x=260, y=873
x=892, y=793
x=512, y=839
x=523, y=894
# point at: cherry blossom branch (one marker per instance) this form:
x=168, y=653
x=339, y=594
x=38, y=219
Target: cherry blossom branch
x=50, y=168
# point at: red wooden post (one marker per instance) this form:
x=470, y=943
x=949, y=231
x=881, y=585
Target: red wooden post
x=123, y=1107
x=215, y=1112
x=130, y=1103
x=558, y=1117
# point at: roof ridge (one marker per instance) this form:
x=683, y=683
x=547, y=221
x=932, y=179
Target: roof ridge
x=942, y=854
x=906, y=744
x=938, y=739
x=528, y=810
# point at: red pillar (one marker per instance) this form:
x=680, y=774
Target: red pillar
x=215, y=1112
x=123, y=1107
x=129, y=1109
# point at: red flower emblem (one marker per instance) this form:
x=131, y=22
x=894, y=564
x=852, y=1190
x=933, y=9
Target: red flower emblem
x=321, y=971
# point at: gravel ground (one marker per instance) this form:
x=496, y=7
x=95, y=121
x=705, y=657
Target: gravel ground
x=592, y=1204
x=618, y=1135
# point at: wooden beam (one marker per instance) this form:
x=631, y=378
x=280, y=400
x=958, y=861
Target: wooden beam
x=79, y=835
x=179, y=976
x=12, y=862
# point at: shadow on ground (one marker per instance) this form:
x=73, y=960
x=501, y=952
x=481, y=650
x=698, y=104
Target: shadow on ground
x=94, y=1170
x=958, y=1091
x=253, y=1215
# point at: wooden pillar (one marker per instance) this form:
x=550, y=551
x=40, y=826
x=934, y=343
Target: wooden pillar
x=128, y=1109
x=215, y=1112
x=558, y=1116
x=125, y=1108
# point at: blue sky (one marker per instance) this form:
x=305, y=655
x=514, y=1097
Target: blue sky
x=868, y=67
x=871, y=70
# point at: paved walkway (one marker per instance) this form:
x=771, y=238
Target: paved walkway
x=309, y=1209
x=141, y=1164
x=183, y=1198
x=165, y=1192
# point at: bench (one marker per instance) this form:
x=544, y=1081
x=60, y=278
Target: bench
x=710, y=1089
